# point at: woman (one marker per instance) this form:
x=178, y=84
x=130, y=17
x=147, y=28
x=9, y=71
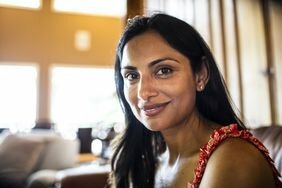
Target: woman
x=181, y=130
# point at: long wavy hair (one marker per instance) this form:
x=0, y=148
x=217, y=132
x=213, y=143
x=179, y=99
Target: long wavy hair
x=136, y=150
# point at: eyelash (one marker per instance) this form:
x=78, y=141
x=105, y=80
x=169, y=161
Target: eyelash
x=162, y=72
x=130, y=74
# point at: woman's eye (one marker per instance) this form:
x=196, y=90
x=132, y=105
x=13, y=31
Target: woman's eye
x=164, y=71
x=131, y=76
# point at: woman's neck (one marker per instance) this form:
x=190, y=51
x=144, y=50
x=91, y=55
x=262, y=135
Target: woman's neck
x=184, y=141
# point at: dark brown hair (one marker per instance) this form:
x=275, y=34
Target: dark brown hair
x=136, y=150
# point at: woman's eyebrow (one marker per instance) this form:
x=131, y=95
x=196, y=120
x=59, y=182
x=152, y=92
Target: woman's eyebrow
x=151, y=64
x=129, y=67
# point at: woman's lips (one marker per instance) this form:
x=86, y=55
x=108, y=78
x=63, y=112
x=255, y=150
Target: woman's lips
x=153, y=110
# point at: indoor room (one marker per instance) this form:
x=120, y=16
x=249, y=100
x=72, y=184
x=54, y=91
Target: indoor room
x=59, y=107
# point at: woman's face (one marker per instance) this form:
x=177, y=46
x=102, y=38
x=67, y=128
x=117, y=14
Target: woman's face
x=159, y=84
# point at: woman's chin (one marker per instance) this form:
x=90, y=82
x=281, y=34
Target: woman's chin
x=153, y=128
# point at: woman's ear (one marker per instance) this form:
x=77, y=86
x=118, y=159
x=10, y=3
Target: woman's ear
x=202, y=76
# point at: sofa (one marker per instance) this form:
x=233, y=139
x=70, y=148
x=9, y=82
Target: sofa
x=89, y=175
x=33, y=159
x=271, y=137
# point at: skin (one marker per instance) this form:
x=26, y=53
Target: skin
x=254, y=170
x=160, y=87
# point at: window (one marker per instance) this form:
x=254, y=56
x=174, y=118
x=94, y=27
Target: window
x=31, y=4
x=83, y=97
x=18, y=96
x=94, y=7
x=178, y=8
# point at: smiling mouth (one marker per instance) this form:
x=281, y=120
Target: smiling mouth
x=153, y=110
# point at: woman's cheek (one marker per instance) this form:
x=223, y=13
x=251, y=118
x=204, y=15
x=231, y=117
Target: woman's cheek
x=128, y=93
x=131, y=97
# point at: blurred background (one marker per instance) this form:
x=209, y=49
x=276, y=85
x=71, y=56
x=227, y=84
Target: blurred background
x=57, y=56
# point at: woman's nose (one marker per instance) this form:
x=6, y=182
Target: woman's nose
x=147, y=88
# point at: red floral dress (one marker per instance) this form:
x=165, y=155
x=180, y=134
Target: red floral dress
x=217, y=137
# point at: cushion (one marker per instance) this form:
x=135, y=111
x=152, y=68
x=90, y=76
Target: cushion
x=60, y=153
x=18, y=157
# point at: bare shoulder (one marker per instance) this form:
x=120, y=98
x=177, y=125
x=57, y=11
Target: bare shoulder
x=237, y=163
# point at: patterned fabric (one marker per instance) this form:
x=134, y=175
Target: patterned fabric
x=217, y=137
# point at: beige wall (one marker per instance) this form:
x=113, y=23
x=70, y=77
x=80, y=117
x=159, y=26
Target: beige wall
x=46, y=37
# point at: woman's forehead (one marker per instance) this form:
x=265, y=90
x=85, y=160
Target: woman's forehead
x=146, y=44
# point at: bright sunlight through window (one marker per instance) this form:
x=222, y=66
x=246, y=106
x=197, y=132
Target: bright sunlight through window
x=32, y=4
x=83, y=97
x=18, y=97
x=95, y=7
